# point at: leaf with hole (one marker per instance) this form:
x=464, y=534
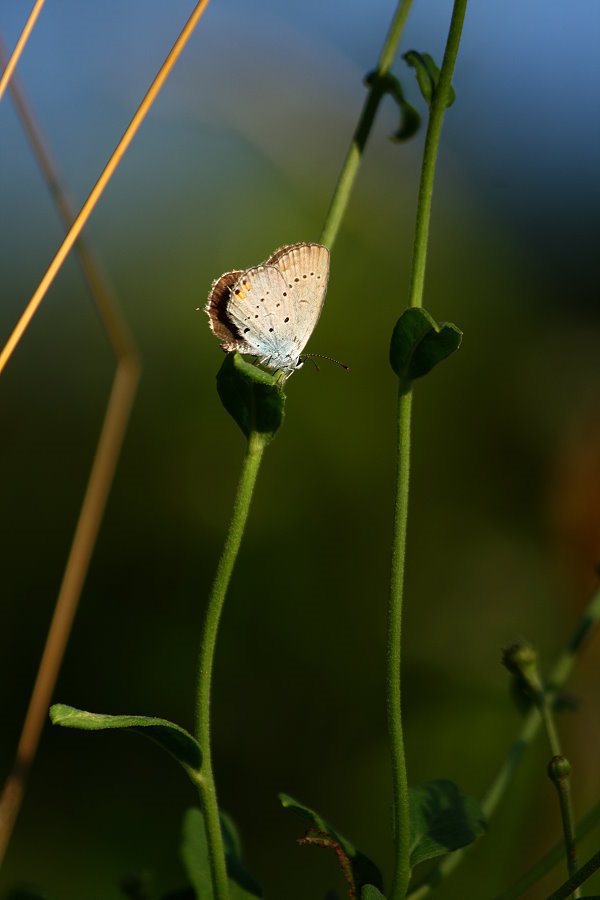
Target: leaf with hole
x=172, y=738
x=363, y=870
x=441, y=820
x=419, y=343
x=428, y=75
x=252, y=397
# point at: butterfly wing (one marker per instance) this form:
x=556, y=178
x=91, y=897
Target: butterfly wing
x=271, y=310
x=305, y=268
x=216, y=308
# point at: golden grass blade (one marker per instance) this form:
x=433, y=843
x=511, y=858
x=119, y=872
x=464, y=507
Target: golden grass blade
x=99, y=483
x=98, y=487
x=99, y=285
x=14, y=59
x=103, y=180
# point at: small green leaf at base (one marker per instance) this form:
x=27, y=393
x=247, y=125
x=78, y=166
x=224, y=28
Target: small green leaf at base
x=194, y=853
x=419, y=343
x=441, y=820
x=195, y=856
x=252, y=397
x=428, y=75
x=369, y=892
x=172, y=738
x=364, y=871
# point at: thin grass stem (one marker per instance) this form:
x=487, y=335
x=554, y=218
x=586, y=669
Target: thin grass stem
x=101, y=184
x=20, y=46
x=98, y=487
x=347, y=177
x=86, y=532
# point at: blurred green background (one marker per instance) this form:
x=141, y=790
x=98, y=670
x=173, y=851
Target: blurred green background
x=240, y=155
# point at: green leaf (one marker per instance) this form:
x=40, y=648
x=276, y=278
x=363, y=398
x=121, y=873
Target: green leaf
x=243, y=884
x=369, y=892
x=419, y=343
x=172, y=738
x=428, y=75
x=441, y=820
x=389, y=84
x=252, y=397
x=364, y=871
x=194, y=852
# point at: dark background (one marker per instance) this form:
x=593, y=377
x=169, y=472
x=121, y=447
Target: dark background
x=240, y=155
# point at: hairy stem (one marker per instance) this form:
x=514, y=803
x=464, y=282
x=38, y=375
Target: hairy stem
x=343, y=188
x=206, y=783
x=394, y=704
x=432, y=140
x=402, y=869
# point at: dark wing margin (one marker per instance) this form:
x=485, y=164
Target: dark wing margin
x=216, y=309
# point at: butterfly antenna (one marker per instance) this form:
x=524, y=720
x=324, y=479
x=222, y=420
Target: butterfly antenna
x=329, y=358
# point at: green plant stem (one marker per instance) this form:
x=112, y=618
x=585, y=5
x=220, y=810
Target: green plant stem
x=343, y=188
x=432, y=140
x=562, y=782
x=551, y=859
x=206, y=783
x=394, y=704
x=402, y=869
x=529, y=729
x=570, y=887
x=563, y=791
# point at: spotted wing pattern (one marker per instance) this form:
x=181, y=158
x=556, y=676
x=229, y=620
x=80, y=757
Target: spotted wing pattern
x=271, y=310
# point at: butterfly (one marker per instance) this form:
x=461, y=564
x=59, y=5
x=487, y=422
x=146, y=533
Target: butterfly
x=271, y=310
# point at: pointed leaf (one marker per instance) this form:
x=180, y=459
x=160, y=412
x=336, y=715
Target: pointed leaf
x=363, y=869
x=172, y=738
x=252, y=397
x=441, y=820
x=419, y=343
x=428, y=75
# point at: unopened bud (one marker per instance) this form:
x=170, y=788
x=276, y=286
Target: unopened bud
x=559, y=769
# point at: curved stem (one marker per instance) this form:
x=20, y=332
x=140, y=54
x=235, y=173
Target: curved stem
x=394, y=706
x=432, y=140
x=206, y=783
x=343, y=188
